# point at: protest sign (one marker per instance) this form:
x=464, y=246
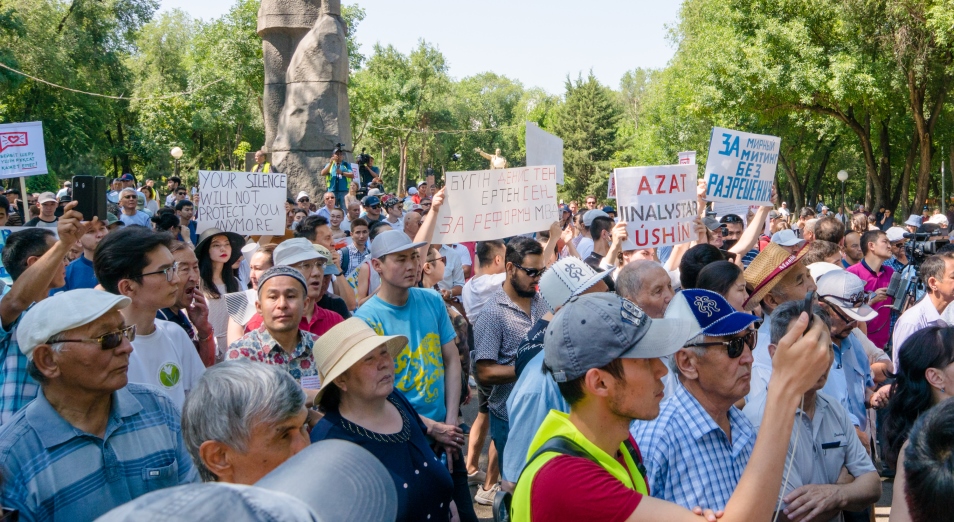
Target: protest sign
x=611, y=186
x=741, y=167
x=247, y=203
x=658, y=204
x=687, y=158
x=544, y=148
x=21, y=150
x=494, y=204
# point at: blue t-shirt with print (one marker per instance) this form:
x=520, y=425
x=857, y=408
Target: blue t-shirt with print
x=419, y=368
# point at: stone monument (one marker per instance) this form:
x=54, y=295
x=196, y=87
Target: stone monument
x=496, y=160
x=306, y=87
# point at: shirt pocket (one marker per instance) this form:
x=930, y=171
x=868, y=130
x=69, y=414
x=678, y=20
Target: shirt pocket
x=161, y=477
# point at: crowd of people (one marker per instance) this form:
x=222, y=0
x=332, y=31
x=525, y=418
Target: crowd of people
x=761, y=370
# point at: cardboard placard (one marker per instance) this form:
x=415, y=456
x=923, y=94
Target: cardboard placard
x=494, y=204
x=21, y=150
x=687, y=157
x=247, y=203
x=741, y=167
x=544, y=148
x=611, y=186
x=658, y=204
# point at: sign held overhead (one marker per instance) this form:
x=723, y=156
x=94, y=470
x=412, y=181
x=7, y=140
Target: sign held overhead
x=21, y=150
x=544, y=148
x=247, y=203
x=658, y=204
x=741, y=167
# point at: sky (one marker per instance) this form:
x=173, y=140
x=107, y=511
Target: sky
x=538, y=42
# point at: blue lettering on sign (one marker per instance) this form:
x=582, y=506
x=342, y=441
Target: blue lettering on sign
x=734, y=187
x=730, y=143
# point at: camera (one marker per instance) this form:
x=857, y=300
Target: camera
x=363, y=158
x=906, y=286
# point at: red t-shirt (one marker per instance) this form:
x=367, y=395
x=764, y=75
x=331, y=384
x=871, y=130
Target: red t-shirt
x=575, y=488
x=321, y=321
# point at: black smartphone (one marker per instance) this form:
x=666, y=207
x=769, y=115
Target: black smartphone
x=809, y=308
x=90, y=193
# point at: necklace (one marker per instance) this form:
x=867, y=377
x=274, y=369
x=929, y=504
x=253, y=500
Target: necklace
x=393, y=438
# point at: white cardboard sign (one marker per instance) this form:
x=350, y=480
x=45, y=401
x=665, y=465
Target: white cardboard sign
x=21, y=150
x=741, y=167
x=658, y=204
x=493, y=204
x=247, y=203
x=687, y=157
x=544, y=148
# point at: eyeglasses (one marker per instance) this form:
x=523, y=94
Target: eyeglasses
x=180, y=193
x=375, y=207
x=898, y=245
x=129, y=197
x=442, y=259
x=308, y=266
x=837, y=309
x=854, y=301
x=107, y=341
x=170, y=272
x=735, y=347
x=425, y=203
x=531, y=272
x=306, y=200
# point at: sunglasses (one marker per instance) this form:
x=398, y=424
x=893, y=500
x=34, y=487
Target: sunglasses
x=169, y=272
x=531, y=272
x=306, y=200
x=837, y=309
x=107, y=341
x=375, y=207
x=735, y=347
x=854, y=301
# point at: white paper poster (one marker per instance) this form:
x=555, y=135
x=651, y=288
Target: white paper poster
x=21, y=150
x=247, y=203
x=741, y=167
x=544, y=148
x=687, y=158
x=611, y=186
x=658, y=204
x=494, y=204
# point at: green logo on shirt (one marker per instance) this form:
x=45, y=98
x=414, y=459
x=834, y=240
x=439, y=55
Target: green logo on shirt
x=169, y=375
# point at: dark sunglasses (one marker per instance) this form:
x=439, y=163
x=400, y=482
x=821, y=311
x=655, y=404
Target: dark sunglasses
x=531, y=272
x=735, y=347
x=306, y=200
x=375, y=207
x=107, y=341
x=731, y=218
x=837, y=309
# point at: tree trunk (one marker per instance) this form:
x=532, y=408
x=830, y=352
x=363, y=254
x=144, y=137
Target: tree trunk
x=123, y=153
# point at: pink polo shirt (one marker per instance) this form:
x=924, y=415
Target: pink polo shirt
x=879, y=328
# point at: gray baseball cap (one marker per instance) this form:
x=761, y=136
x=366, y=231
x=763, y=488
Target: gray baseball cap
x=392, y=241
x=711, y=223
x=319, y=483
x=592, y=330
x=591, y=215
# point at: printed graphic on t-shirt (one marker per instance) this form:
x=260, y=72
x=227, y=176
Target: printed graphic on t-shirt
x=169, y=374
x=419, y=372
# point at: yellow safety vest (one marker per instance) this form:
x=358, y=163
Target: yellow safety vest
x=558, y=424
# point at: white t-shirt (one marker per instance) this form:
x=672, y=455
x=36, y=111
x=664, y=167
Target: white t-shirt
x=585, y=248
x=166, y=359
x=477, y=292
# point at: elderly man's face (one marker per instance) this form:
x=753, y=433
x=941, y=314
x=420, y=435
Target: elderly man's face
x=719, y=376
x=654, y=293
x=259, y=158
x=188, y=276
x=313, y=270
x=86, y=366
x=329, y=199
x=794, y=285
x=412, y=223
x=269, y=445
x=129, y=200
x=354, y=211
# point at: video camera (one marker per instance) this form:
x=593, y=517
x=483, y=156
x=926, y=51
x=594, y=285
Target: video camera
x=906, y=286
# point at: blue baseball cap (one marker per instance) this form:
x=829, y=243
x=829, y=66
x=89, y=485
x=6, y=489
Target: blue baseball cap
x=127, y=177
x=709, y=313
x=370, y=201
x=609, y=210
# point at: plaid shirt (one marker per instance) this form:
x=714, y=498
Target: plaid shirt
x=259, y=346
x=689, y=459
x=17, y=388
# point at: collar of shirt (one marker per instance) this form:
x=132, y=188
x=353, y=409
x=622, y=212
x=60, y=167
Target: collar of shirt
x=700, y=423
x=822, y=405
x=868, y=268
x=270, y=345
x=53, y=429
x=537, y=305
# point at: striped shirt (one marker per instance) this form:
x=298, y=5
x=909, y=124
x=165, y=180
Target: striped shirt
x=689, y=460
x=55, y=471
x=17, y=388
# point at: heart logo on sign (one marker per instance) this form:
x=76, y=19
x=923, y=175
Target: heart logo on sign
x=13, y=139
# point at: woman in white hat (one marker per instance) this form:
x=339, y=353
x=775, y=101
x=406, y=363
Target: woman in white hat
x=361, y=405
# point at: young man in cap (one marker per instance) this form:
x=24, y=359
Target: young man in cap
x=279, y=340
x=301, y=255
x=586, y=245
x=91, y=440
x=774, y=277
x=536, y=393
x=876, y=275
x=506, y=318
x=604, y=353
x=47, y=217
x=372, y=209
x=937, y=272
x=191, y=310
x=822, y=445
x=34, y=259
x=699, y=445
x=428, y=369
x=395, y=212
x=137, y=263
x=899, y=256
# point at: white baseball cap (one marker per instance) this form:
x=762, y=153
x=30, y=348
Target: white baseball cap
x=292, y=251
x=568, y=278
x=895, y=234
x=64, y=311
x=302, y=194
x=846, y=291
x=786, y=237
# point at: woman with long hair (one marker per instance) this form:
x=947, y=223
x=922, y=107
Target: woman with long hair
x=217, y=251
x=724, y=278
x=925, y=377
x=151, y=206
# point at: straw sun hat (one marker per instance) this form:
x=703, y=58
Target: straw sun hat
x=347, y=343
x=767, y=270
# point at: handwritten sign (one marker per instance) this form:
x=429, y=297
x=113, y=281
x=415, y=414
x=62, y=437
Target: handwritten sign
x=544, y=148
x=658, y=204
x=687, y=157
x=494, y=204
x=247, y=203
x=611, y=186
x=21, y=150
x=741, y=167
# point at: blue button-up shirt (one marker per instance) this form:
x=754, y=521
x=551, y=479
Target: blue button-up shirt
x=54, y=471
x=689, y=459
x=850, y=374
